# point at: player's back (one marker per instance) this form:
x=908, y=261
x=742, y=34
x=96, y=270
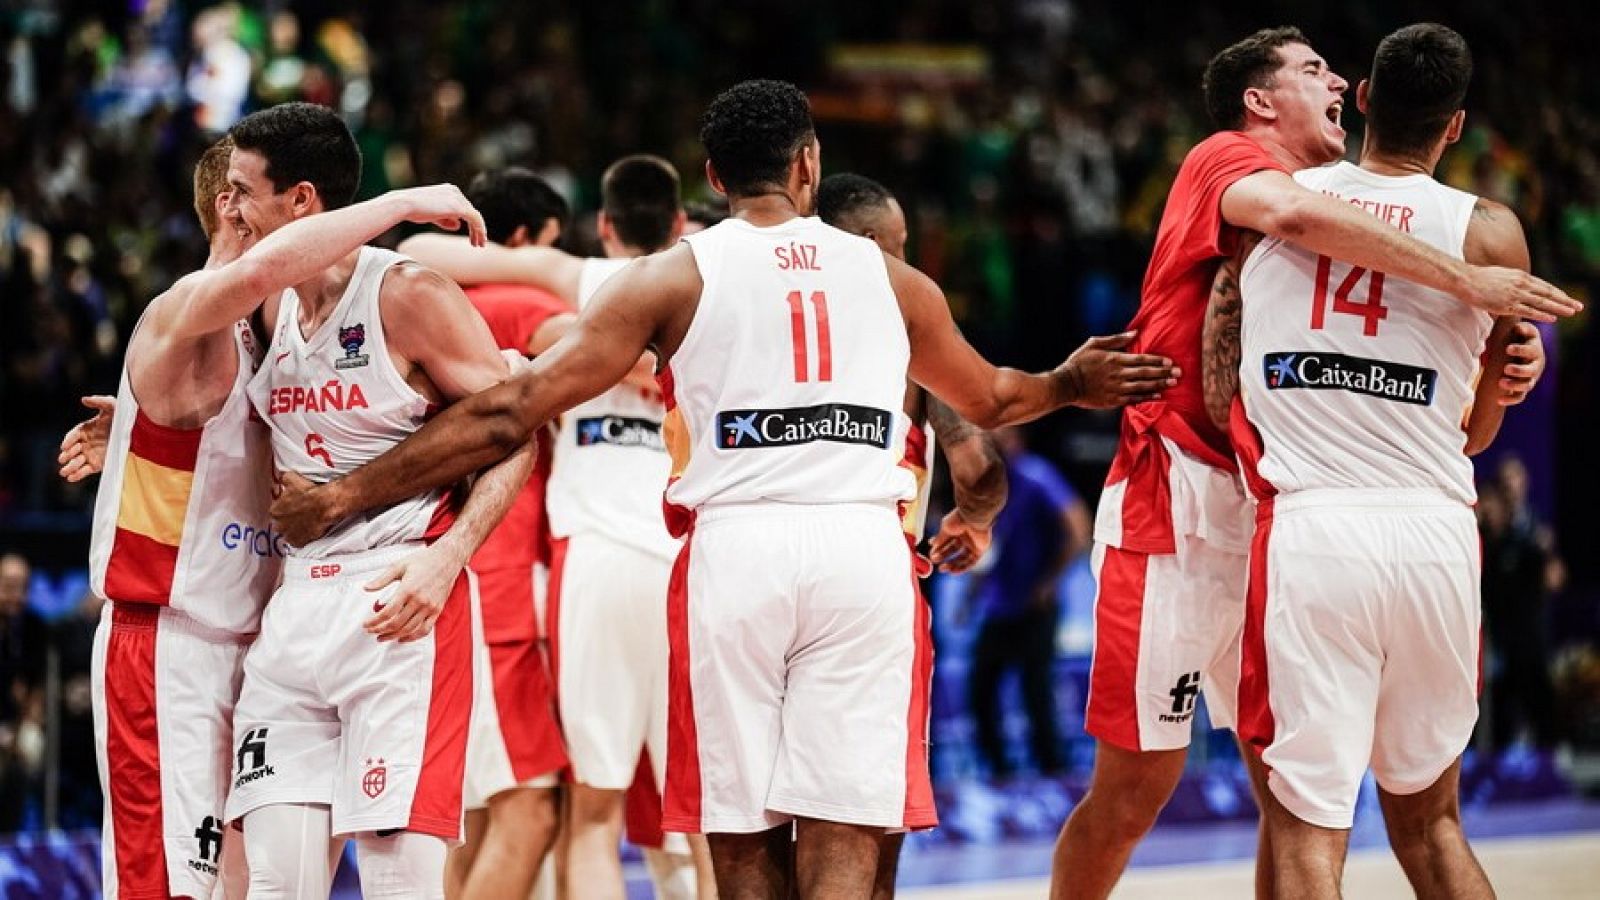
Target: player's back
x=1354, y=379
x=788, y=385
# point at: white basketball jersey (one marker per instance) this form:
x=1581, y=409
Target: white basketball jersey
x=335, y=402
x=610, y=463
x=1352, y=378
x=789, y=385
x=181, y=516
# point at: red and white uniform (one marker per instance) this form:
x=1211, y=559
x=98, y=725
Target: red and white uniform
x=515, y=738
x=182, y=550
x=611, y=561
x=797, y=677
x=328, y=714
x=1361, y=640
x=1173, y=525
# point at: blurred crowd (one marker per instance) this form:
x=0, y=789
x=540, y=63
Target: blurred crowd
x=1032, y=143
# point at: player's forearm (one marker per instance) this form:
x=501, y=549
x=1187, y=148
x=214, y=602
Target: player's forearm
x=487, y=503
x=306, y=247
x=468, y=436
x=1024, y=396
x=978, y=477
x=1221, y=346
x=1487, y=413
x=454, y=257
x=1333, y=228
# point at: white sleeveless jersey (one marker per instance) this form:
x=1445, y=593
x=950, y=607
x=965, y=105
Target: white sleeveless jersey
x=610, y=463
x=789, y=385
x=335, y=402
x=1354, y=379
x=181, y=516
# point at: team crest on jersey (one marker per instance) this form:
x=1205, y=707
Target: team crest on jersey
x=1319, y=371
x=375, y=779
x=351, y=338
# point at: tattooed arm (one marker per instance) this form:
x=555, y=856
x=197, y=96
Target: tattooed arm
x=1220, y=345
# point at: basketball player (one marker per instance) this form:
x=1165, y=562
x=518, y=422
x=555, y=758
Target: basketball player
x=795, y=708
x=356, y=697
x=862, y=206
x=181, y=545
x=612, y=555
x=515, y=753
x=1362, y=637
x=1173, y=525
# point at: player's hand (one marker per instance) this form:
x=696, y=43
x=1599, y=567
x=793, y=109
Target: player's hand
x=303, y=510
x=424, y=582
x=445, y=206
x=1500, y=291
x=959, y=545
x=83, y=450
x=1524, y=364
x=1100, y=376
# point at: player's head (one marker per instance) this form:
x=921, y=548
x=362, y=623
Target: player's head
x=1414, y=95
x=859, y=205
x=639, y=205
x=289, y=161
x=519, y=208
x=759, y=139
x=211, y=185
x=700, y=214
x=1273, y=80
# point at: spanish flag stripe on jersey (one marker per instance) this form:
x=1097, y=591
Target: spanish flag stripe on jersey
x=157, y=480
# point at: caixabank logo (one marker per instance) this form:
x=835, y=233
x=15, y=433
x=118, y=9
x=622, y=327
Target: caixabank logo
x=1318, y=371
x=841, y=423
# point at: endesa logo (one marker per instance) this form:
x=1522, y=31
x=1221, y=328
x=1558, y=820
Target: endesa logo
x=263, y=542
x=1318, y=371
x=841, y=423
x=621, y=431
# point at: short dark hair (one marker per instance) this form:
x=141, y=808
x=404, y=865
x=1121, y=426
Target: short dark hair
x=514, y=197
x=845, y=200
x=1419, y=79
x=706, y=213
x=640, y=196
x=1247, y=64
x=752, y=132
x=303, y=142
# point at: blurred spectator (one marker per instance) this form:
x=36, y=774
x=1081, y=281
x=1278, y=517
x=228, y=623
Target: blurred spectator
x=219, y=76
x=22, y=642
x=1043, y=526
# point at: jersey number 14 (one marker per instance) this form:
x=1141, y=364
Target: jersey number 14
x=1372, y=311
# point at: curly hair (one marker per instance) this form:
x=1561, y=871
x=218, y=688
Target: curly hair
x=752, y=132
x=1419, y=79
x=303, y=142
x=1247, y=64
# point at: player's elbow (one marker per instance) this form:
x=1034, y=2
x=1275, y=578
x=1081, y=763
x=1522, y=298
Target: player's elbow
x=501, y=408
x=1291, y=216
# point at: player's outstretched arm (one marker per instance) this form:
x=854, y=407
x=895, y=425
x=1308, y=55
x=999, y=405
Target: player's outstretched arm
x=213, y=299
x=1097, y=375
x=1273, y=203
x=1512, y=365
x=1221, y=343
x=458, y=259
x=641, y=376
x=629, y=312
x=978, y=476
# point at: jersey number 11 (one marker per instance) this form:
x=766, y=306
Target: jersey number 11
x=797, y=327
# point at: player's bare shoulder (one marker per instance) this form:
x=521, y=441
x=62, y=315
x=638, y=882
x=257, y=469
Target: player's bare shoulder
x=1495, y=236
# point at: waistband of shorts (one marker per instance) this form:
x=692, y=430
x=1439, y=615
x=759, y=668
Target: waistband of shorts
x=773, y=509
x=343, y=565
x=1414, y=499
x=128, y=616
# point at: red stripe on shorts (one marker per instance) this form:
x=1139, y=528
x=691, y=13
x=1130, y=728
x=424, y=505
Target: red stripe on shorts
x=641, y=812
x=552, y=613
x=919, y=808
x=1256, y=725
x=682, y=802
x=1113, y=713
x=133, y=752
x=436, y=808
x=521, y=684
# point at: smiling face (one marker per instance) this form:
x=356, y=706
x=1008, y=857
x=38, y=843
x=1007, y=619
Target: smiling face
x=256, y=208
x=1304, y=105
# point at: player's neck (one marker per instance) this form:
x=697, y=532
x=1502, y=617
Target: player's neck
x=1280, y=150
x=1396, y=164
x=762, y=210
x=321, y=293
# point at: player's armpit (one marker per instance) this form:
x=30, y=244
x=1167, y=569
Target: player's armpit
x=1220, y=342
